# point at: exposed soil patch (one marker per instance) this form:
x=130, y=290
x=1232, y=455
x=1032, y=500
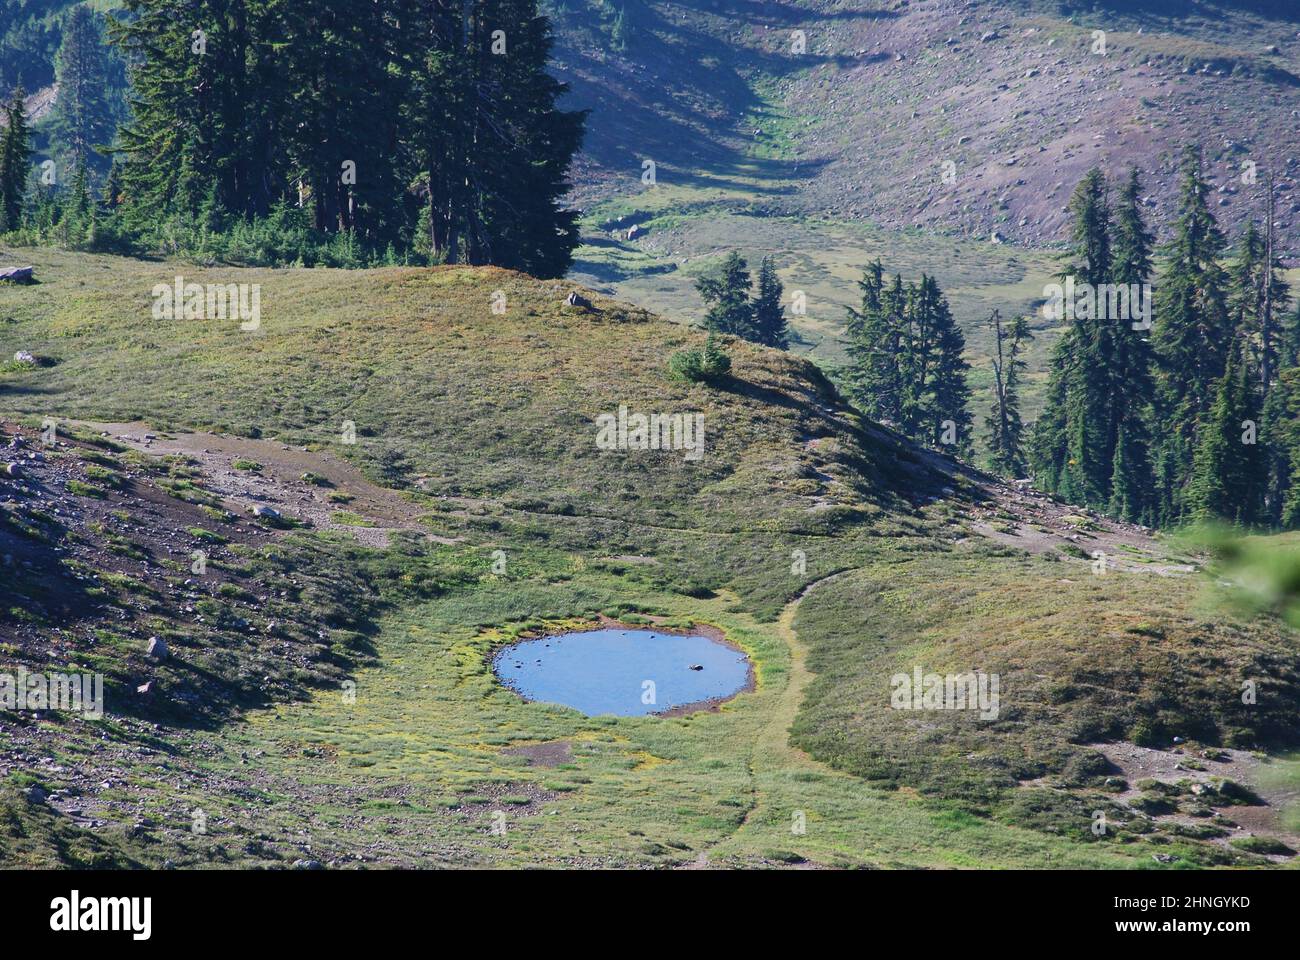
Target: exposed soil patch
x=551, y=753
x=1017, y=515
x=1172, y=766
x=311, y=486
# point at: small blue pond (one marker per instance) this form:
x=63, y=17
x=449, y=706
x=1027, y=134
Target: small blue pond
x=605, y=671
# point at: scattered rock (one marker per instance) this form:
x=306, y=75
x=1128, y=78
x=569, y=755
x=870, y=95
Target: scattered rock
x=17, y=274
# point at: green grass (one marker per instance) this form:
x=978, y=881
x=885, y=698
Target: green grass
x=488, y=422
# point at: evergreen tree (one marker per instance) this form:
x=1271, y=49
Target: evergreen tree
x=1005, y=429
x=491, y=147
x=876, y=335
x=1073, y=444
x=15, y=155
x=375, y=121
x=949, y=395
x=1227, y=480
x=908, y=369
x=1246, y=279
x=1132, y=388
x=726, y=292
x=770, y=327
x=83, y=118
x=1192, y=335
x=112, y=195
x=209, y=104
x=336, y=101
x=1129, y=478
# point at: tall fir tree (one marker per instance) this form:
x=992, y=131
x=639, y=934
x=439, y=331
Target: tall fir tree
x=875, y=345
x=726, y=292
x=1192, y=336
x=1073, y=443
x=948, y=407
x=15, y=155
x=522, y=146
x=1227, y=480
x=83, y=119
x=1132, y=388
x=1005, y=428
x=208, y=104
x=341, y=142
x=770, y=327
x=490, y=145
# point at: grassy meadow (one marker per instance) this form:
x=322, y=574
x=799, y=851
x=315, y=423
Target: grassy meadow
x=832, y=553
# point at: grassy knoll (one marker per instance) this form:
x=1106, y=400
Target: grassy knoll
x=484, y=423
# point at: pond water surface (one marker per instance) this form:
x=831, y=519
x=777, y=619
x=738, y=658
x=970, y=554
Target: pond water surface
x=610, y=670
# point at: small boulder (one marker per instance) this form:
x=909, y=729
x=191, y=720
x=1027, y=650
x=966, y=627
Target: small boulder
x=14, y=470
x=269, y=512
x=157, y=648
x=308, y=865
x=575, y=299
x=25, y=356
x=145, y=688
x=17, y=274
x=697, y=666
x=635, y=231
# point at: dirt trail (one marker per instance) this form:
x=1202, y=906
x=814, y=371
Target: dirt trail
x=772, y=748
x=334, y=496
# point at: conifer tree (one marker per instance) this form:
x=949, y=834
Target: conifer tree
x=15, y=155
x=1005, y=429
x=1227, y=480
x=726, y=292
x=876, y=334
x=770, y=328
x=1192, y=335
x=949, y=394
x=83, y=119
x=208, y=104
x=1073, y=444
x=1129, y=477
x=1131, y=384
